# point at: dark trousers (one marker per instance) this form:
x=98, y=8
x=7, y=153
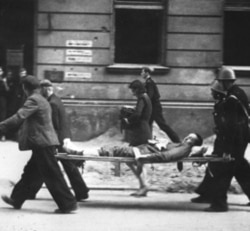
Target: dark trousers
x=218, y=176
x=75, y=178
x=78, y=185
x=223, y=174
x=160, y=121
x=43, y=167
x=205, y=187
x=3, y=108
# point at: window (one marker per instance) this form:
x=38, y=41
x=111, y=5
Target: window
x=139, y=31
x=236, y=33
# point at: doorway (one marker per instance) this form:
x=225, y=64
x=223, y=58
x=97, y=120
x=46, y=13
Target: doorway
x=17, y=35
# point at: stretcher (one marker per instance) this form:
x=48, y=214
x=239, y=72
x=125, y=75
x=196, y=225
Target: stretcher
x=131, y=160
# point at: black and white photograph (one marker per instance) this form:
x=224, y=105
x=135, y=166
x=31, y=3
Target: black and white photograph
x=129, y=115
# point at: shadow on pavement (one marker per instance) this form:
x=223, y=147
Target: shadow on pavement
x=144, y=205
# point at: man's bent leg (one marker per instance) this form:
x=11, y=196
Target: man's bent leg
x=53, y=178
x=78, y=184
x=24, y=187
x=138, y=172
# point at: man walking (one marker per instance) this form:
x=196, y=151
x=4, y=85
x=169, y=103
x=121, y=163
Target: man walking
x=154, y=95
x=61, y=126
x=37, y=134
x=204, y=189
x=235, y=131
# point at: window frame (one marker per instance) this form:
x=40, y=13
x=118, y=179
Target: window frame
x=160, y=66
x=237, y=5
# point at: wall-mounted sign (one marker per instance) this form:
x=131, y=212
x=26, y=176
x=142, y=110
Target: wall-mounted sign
x=77, y=75
x=79, y=52
x=78, y=59
x=54, y=75
x=79, y=43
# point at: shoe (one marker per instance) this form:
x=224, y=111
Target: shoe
x=179, y=166
x=3, y=138
x=216, y=209
x=10, y=201
x=66, y=211
x=140, y=193
x=200, y=200
x=83, y=197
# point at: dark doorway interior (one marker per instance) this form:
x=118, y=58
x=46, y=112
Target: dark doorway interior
x=17, y=33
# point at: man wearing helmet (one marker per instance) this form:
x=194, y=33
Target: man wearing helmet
x=235, y=132
x=203, y=189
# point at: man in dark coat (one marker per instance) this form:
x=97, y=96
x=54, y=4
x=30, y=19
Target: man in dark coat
x=154, y=95
x=235, y=131
x=36, y=133
x=203, y=189
x=61, y=126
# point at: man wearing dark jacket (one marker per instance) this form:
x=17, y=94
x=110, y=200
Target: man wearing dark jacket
x=61, y=126
x=218, y=93
x=235, y=130
x=36, y=133
x=154, y=95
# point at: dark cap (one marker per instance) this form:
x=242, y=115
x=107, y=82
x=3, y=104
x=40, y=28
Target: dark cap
x=45, y=83
x=30, y=82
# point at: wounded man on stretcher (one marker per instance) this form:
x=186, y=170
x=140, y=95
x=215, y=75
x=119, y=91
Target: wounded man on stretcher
x=156, y=152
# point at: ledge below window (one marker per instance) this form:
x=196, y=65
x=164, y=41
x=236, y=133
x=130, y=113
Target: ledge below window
x=135, y=68
x=241, y=71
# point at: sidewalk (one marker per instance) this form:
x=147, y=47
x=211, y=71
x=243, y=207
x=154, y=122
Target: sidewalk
x=116, y=210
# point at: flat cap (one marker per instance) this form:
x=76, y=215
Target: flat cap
x=45, y=83
x=31, y=81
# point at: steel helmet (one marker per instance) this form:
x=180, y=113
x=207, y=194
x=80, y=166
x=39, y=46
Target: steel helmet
x=217, y=86
x=226, y=73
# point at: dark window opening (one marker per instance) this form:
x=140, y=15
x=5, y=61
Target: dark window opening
x=138, y=36
x=236, y=38
x=17, y=32
x=237, y=3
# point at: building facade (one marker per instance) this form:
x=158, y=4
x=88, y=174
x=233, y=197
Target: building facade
x=92, y=50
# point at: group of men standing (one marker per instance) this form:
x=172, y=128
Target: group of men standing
x=11, y=96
